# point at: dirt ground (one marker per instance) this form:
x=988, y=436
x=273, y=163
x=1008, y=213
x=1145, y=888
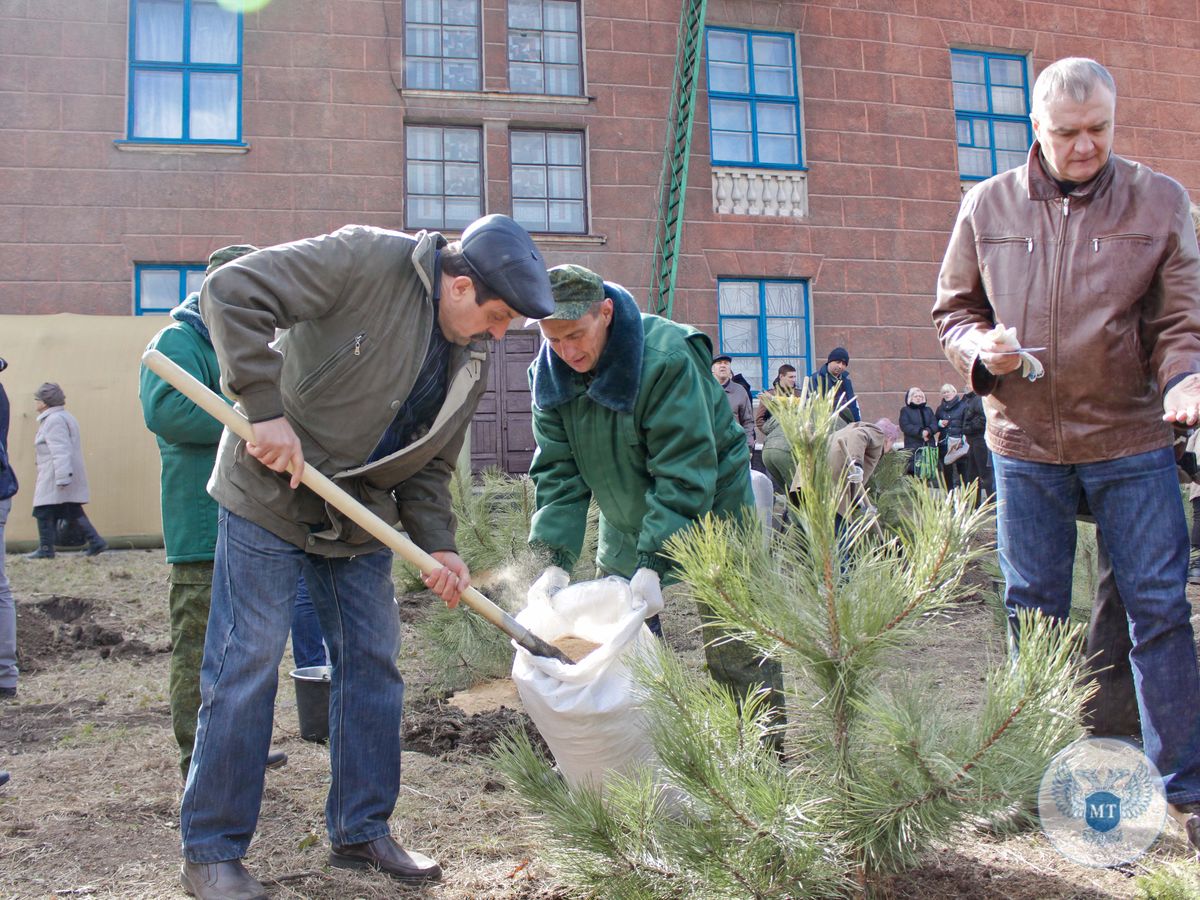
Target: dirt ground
x=92, y=808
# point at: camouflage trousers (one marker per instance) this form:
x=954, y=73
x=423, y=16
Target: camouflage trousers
x=740, y=668
x=191, y=591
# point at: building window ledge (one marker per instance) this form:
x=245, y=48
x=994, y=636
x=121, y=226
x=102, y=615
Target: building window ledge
x=493, y=96
x=542, y=238
x=760, y=192
x=179, y=147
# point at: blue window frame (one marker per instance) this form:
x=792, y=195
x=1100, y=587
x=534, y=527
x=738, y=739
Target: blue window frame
x=185, y=72
x=159, y=288
x=753, y=99
x=764, y=323
x=991, y=110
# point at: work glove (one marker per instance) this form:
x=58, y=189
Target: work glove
x=550, y=582
x=854, y=472
x=647, y=588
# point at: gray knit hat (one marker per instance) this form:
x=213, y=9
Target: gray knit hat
x=50, y=394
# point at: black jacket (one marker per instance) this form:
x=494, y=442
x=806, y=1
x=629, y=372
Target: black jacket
x=843, y=388
x=913, y=419
x=974, y=419
x=952, y=411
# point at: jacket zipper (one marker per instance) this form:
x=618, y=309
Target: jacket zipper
x=1027, y=241
x=1097, y=241
x=354, y=347
x=1055, y=293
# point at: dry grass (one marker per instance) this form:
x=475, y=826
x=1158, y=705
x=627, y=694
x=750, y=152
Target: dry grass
x=92, y=808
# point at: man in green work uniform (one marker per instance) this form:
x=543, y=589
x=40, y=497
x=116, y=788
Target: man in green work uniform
x=187, y=442
x=625, y=410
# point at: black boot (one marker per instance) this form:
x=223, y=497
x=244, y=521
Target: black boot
x=46, y=531
x=95, y=544
x=1193, y=575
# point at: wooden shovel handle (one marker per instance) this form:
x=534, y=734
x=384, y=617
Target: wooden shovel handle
x=184, y=382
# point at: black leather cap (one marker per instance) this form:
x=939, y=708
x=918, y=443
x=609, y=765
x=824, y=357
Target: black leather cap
x=502, y=254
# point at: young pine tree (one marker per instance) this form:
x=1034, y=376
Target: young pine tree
x=877, y=764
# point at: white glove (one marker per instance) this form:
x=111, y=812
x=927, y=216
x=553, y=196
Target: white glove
x=550, y=582
x=647, y=588
x=1006, y=339
x=854, y=472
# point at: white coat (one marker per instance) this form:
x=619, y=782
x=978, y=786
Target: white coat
x=61, y=476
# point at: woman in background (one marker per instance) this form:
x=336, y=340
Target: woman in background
x=62, y=485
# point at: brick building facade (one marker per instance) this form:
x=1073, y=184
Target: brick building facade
x=138, y=135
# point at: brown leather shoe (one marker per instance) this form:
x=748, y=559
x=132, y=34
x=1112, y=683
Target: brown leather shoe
x=226, y=880
x=385, y=855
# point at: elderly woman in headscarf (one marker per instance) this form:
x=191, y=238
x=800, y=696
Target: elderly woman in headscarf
x=62, y=485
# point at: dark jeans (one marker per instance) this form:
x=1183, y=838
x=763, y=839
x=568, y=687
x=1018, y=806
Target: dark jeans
x=1135, y=501
x=48, y=516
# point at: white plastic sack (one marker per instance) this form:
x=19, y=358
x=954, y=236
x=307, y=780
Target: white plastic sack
x=764, y=500
x=586, y=712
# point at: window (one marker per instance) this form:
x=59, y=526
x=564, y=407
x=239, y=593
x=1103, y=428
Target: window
x=185, y=72
x=160, y=288
x=764, y=324
x=991, y=106
x=753, y=100
x=547, y=180
x=543, y=47
x=445, y=177
x=441, y=44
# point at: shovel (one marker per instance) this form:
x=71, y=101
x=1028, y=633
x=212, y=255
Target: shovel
x=216, y=407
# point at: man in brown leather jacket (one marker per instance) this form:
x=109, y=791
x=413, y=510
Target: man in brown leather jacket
x=1093, y=259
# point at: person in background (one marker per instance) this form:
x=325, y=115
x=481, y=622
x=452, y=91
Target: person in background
x=625, y=413
x=738, y=396
x=187, y=440
x=834, y=377
x=1120, y=325
x=918, y=424
x=949, y=415
x=784, y=385
x=854, y=454
x=8, y=609
x=974, y=428
x=62, y=484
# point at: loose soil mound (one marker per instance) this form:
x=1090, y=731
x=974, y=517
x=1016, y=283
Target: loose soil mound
x=65, y=626
x=437, y=728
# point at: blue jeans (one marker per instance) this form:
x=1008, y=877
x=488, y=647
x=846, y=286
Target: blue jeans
x=8, y=613
x=254, y=588
x=308, y=648
x=1138, y=510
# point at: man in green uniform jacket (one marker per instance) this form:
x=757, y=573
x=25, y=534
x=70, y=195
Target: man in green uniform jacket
x=625, y=410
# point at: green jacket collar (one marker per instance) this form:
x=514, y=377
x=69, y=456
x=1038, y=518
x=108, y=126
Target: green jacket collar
x=618, y=374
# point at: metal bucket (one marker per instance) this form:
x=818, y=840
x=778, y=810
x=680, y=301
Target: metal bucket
x=312, y=702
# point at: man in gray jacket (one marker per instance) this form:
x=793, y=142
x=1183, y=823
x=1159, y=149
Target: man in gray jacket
x=374, y=382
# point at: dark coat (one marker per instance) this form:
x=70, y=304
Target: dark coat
x=951, y=411
x=974, y=418
x=843, y=388
x=913, y=419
